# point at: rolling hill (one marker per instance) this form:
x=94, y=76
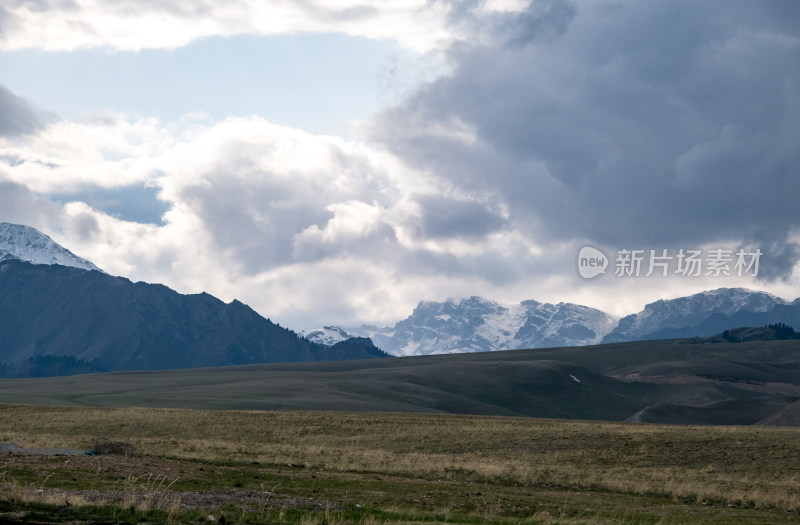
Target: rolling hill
x=655, y=381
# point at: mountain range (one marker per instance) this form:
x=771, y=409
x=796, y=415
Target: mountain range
x=60, y=315
x=479, y=325
x=476, y=324
x=705, y=314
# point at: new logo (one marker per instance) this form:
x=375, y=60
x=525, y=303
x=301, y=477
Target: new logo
x=591, y=262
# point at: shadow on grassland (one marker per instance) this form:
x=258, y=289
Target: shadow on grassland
x=654, y=381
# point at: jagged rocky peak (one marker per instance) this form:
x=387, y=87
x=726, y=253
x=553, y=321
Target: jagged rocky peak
x=30, y=245
x=475, y=324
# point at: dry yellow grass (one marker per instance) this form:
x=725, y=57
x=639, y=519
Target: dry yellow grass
x=742, y=466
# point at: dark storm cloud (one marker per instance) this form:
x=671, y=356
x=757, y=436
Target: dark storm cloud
x=17, y=116
x=452, y=218
x=542, y=21
x=625, y=123
x=779, y=256
x=496, y=269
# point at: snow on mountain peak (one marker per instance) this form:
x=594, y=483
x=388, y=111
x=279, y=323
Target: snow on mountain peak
x=741, y=296
x=475, y=324
x=692, y=310
x=30, y=245
x=327, y=335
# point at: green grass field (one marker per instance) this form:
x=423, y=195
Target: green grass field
x=195, y=466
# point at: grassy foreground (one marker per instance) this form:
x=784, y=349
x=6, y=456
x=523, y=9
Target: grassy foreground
x=199, y=466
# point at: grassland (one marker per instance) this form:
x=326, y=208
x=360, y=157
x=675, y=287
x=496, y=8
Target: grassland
x=359, y=467
x=653, y=381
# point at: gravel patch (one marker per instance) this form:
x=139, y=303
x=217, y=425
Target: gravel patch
x=16, y=449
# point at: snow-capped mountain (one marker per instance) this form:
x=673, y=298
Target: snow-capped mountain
x=562, y=324
x=30, y=245
x=704, y=314
x=327, y=335
x=479, y=325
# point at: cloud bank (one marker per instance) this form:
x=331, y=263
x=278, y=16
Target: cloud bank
x=621, y=122
x=616, y=124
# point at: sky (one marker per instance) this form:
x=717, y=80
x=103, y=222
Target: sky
x=336, y=162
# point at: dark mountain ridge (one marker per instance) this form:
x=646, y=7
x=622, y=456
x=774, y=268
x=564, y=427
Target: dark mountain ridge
x=71, y=320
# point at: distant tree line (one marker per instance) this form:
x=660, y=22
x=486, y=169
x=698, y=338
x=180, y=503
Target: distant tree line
x=784, y=331
x=781, y=331
x=58, y=365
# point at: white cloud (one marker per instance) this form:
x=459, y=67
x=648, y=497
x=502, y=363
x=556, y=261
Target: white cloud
x=106, y=151
x=254, y=210
x=352, y=220
x=135, y=25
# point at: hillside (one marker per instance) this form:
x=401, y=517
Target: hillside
x=655, y=381
x=774, y=332
x=58, y=320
